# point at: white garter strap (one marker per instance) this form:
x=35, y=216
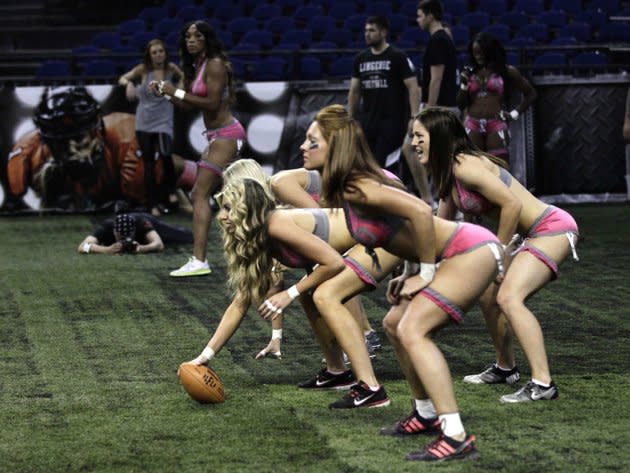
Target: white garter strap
x=572, y=237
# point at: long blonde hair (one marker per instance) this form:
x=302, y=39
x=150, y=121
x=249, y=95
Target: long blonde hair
x=247, y=245
x=349, y=156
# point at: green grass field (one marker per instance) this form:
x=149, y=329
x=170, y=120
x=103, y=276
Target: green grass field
x=91, y=344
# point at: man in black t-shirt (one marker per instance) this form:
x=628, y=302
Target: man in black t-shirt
x=383, y=93
x=439, y=62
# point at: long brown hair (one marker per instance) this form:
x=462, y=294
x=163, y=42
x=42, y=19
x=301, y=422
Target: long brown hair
x=448, y=138
x=349, y=156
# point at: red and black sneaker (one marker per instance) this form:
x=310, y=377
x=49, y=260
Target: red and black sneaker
x=413, y=424
x=446, y=448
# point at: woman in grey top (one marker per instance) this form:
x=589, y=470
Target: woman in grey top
x=154, y=122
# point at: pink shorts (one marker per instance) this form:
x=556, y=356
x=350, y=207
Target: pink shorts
x=553, y=221
x=233, y=131
x=484, y=125
x=466, y=237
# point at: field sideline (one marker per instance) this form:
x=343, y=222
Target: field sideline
x=90, y=346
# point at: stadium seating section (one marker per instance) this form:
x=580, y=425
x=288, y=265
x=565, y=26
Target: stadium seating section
x=314, y=39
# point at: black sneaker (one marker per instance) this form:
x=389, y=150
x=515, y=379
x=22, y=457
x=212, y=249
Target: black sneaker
x=360, y=395
x=413, y=424
x=445, y=449
x=494, y=375
x=373, y=341
x=532, y=392
x=327, y=380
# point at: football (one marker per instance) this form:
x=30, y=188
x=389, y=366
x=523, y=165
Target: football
x=201, y=383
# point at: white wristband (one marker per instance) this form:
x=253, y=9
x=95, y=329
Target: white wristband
x=276, y=334
x=86, y=247
x=463, y=86
x=514, y=114
x=180, y=94
x=167, y=97
x=427, y=271
x=293, y=292
x=207, y=354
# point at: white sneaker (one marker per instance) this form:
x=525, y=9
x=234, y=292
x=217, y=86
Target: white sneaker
x=194, y=267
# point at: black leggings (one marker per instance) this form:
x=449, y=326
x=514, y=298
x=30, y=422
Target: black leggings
x=154, y=146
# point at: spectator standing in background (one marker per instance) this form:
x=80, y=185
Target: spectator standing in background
x=383, y=94
x=484, y=92
x=154, y=122
x=439, y=62
x=209, y=84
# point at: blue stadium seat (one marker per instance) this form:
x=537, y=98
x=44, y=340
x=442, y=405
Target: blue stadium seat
x=614, y=33
x=476, y=21
x=284, y=47
x=279, y=24
x=289, y=6
x=552, y=18
x=342, y=10
x=310, y=68
x=321, y=24
x=565, y=41
x=461, y=35
x=107, y=39
x=409, y=8
x=455, y=7
x=493, y=7
x=595, y=18
x=612, y=7
x=499, y=31
x=140, y=39
x=166, y=26
x=266, y=11
x=341, y=67
x=245, y=51
x=151, y=15
x=537, y=31
x=303, y=13
x=415, y=34
x=238, y=68
x=302, y=37
x=263, y=39
x=53, y=68
x=328, y=46
x=378, y=8
x=514, y=19
x=226, y=38
x=241, y=25
x=100, y=67
x=590, y=60
x=550, y=62
x=172, y=40
x=580, y=30
x=356, y=24
x=226, y=13
x=340, y=36
x=83, y=54
x=173, y=6
x=271, y=69
x=129, y=27
x=529, y=7
x=190, y=13
x=571, y=7
x=397, y=23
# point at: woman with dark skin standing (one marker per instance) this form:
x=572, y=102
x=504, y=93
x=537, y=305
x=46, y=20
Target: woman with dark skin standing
x=484, y=92
x=209, y=88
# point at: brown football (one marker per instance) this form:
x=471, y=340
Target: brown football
x=201, y=383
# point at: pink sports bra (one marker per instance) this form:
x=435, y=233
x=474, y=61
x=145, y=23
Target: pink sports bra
x=493, y=86
x=198, y=87
x=474, y=203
